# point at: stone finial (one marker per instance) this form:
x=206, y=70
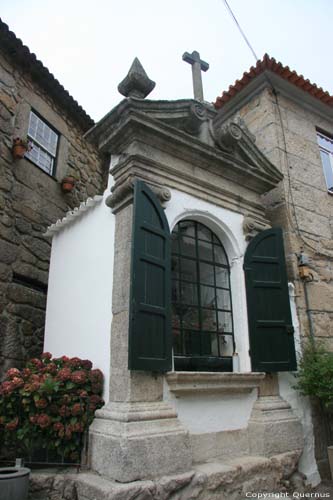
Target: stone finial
x=136, y=83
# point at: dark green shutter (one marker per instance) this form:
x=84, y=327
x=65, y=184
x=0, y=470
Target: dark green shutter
x=272, y=346
x=150, y=342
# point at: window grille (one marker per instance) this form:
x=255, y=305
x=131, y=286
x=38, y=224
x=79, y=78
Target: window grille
x=202, y=321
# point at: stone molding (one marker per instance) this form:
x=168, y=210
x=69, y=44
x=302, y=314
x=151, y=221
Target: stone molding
x=252, y=227
x=122, y=193
x=210, y=382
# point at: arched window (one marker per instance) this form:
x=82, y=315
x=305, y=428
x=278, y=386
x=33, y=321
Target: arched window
x=202, y=321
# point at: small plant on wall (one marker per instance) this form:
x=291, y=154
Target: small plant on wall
x=68, y=183
x=20, y=147
x=49, y=405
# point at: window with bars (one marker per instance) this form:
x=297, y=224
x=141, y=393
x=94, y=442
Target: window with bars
x=326, y=152
x=202, y=321
x=44, y=142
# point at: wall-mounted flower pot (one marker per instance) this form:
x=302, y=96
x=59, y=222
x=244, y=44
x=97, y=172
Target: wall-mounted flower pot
x=14, y=483
x=68, y=184
x=20, y=148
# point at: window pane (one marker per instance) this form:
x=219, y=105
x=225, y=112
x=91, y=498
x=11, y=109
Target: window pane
x=327, y=166
x=41, y=158
x=208, y=319
x=222, y=277
x=187, y=246
x=204, y=233
x=226, y=345
x=224, y=322
x=174, y=243
x=207, y=296
x=325, y=142
x=220, y=256
x=191, y=318
x=188, y=269
x=206, y=273
x=205, y=250
x=187, y=228
x=223, y=299
x=189, y=293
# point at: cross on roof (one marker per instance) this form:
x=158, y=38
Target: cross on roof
x=197, y=66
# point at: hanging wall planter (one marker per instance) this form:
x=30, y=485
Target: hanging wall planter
x=14, y=483
x=20, y=148
x=68, y=184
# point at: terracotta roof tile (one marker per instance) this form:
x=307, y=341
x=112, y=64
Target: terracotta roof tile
x=28, y=61
x=269, y=63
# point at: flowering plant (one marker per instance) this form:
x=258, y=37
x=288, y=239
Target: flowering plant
x=49, y=404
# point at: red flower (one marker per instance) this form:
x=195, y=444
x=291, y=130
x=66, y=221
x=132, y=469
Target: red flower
x=77, y=409
x=79, y=377
x=37, y=363
x=43, y=421
x=17, y=382
x=13, y=372
x=6, y=388
x=78, y=427
x=75, y=362
x=41, y=403
x=26, y=372
x=64, y=411
x=51, y=368
x=46, y=355
x=64, y=374
x=86, y=364
x=58, y=426
x=33, y=419
x=96, y=376
x=68, y=432
x=11, y=426
x=82, y=394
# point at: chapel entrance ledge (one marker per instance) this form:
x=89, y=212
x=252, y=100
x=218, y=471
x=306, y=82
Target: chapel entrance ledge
x=212, y=382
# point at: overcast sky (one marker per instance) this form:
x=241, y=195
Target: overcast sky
x=89, y=45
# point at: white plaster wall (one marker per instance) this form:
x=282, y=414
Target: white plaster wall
x=78, y=312
x=300, y=404
x=209, y=413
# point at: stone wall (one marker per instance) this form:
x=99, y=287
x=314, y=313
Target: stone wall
x=303, y=207
x=30, y=200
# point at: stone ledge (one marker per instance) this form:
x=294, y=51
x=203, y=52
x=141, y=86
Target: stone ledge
x=211, y=382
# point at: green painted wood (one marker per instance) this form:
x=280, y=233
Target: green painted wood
x=150, y=340
x=272, y=347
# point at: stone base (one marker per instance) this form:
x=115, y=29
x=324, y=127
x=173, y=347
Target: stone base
x=209, y=481
x=273, y=427
x=131, y=441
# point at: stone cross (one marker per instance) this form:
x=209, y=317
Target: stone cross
x=197, y=66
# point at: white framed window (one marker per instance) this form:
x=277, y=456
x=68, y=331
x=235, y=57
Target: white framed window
x=326, y=152
x=44, y=141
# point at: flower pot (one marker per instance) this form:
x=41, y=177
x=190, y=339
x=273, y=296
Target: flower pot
x=330, y=458
x=18, y=151
x=14, y=483
x=67, y=184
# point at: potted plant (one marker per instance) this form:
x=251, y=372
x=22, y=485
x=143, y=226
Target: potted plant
x=315, y=378
x=20, y=147
x=68, y=183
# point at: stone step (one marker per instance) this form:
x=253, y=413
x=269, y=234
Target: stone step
x=227, y=480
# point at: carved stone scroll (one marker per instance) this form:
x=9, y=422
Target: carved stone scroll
x=252, y=227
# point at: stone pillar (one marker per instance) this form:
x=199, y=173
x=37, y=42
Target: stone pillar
x=136, y=435
x=273, y=427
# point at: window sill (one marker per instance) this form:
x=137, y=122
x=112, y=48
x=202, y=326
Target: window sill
x=212, y=382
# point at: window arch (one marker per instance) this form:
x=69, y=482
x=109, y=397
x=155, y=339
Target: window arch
x=202, y=321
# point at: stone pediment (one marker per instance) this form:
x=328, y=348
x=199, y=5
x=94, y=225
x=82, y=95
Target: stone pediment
x=184, y=130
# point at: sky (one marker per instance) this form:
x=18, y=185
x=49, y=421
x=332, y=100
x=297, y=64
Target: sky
x=90, y=45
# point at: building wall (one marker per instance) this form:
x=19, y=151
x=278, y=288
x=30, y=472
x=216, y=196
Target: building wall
x=302, y=205
x=30, y=200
